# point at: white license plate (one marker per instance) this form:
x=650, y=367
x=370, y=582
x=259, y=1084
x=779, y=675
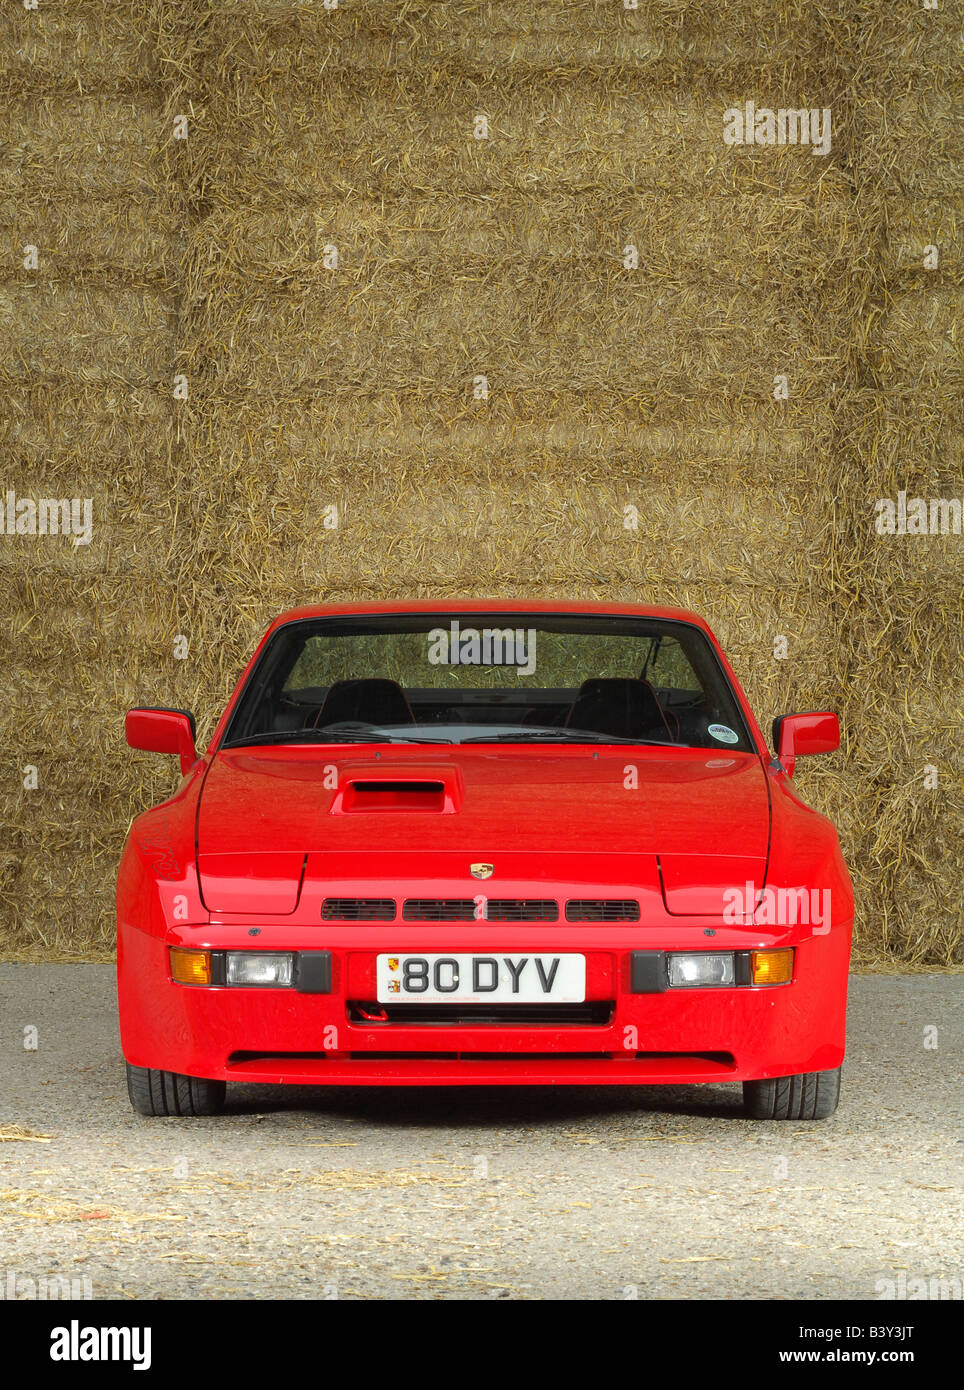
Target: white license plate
x=481, y=979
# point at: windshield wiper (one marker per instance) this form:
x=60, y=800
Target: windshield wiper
x=327, y=736
x=566, y=736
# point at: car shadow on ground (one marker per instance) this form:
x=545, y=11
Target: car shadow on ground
x=453, y=1107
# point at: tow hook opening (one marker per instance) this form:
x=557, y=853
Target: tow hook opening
x=372, y=1013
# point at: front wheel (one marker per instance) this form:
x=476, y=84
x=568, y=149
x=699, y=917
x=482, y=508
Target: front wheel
x=812, y=1095
x=168, y=1093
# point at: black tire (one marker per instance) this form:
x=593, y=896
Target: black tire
x=813, y=1095
x=166, y=1093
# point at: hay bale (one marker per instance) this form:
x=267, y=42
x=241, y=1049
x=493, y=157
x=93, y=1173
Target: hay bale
x=650, y=387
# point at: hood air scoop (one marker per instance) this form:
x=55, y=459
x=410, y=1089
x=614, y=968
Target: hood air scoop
x=415, y=789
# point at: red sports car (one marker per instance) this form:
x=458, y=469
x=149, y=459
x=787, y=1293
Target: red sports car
x=484, y=843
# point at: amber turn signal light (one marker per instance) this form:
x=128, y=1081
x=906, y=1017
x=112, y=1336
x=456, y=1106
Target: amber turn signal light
x=190, y=967
x=771, y=967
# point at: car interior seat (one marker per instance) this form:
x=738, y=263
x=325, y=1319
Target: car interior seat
x=367, y=701
x=623, y=707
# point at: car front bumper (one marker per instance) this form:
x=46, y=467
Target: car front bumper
x=678, y=1036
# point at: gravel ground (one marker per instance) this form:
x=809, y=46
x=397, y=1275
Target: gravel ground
x=589, y=1193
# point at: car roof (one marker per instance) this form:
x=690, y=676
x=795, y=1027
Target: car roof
x=500, y=605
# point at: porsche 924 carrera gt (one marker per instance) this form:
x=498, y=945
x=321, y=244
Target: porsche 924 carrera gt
x=484, y=843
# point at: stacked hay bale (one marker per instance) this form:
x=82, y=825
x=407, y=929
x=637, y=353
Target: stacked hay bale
x=87, y=350
x=487, y=280
x=902, y=596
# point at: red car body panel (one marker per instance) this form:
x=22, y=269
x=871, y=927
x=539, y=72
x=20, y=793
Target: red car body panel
x=253, y=841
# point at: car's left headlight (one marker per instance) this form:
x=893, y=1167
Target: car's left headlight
x=258, y=968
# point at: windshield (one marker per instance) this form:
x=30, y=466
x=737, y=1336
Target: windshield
x=472, y=678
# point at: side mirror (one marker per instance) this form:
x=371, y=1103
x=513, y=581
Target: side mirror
x=797, y=734
x=162, y=731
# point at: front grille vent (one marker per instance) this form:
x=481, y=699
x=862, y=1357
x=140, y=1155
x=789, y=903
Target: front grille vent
x=358, y=910
x=602, y=910
x=522, y=910
x=494, y=910
x=465, y=910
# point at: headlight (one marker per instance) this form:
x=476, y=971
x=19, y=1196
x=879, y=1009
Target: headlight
x=258, y=968
x=701, y=968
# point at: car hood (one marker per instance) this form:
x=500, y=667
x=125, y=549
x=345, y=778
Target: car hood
x=690, y=820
